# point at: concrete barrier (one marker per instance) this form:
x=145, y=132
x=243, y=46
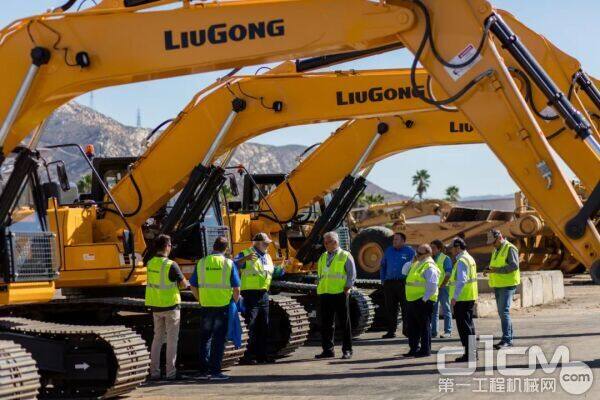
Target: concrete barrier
x=536, y=288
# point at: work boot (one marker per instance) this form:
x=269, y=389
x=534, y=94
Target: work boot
x=421, y=354
x=247, y=361
x=266, y=360
x=389, y=335
x=411, y=353
x=325, y=354
x=219, y=377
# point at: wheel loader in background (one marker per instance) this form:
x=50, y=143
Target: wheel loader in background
x=372, y=229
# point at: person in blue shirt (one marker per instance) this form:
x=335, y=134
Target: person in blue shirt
x=215, y=320
x=394, y=282
x=437, y=246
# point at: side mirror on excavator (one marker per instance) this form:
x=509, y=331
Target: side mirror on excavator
x=63, y=178
x=233, y=186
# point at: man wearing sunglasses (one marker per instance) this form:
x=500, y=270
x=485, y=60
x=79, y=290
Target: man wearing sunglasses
x=422, y=276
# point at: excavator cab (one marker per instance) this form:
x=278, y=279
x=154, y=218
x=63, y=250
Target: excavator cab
x=29, y=256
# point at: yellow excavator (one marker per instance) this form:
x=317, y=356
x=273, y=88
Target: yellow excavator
x=98, y=248
x=237, y=108
x=51, y=58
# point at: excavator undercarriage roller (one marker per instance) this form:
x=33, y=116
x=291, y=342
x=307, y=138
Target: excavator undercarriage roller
x=362, y=309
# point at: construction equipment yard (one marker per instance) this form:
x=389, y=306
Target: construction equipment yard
x=378, y=370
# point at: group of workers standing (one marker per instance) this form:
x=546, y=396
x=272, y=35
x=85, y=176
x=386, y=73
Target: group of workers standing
x=218, y=282
x=417, y=284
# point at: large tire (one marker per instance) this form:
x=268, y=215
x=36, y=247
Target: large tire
x=367, y=249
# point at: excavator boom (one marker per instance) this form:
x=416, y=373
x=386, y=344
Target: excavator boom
x=52, y=58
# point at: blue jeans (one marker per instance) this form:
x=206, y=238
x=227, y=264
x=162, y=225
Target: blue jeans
x=444, y=300
x=213, y=333
x=504, y=298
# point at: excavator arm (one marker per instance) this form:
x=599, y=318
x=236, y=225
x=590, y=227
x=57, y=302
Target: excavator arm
x=52, y=58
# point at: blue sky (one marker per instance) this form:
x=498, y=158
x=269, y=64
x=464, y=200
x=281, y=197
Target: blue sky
x=571, y=25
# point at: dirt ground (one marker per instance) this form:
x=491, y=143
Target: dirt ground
x=379, y=371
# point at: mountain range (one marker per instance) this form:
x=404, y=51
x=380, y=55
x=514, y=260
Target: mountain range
x=78, y=124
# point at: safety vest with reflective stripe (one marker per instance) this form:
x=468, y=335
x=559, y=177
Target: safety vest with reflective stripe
x=469, y=291
x=214, y=280
x=332, y=278
x=416, y=285
x=255, y=274
x=499, y=257
x=440, y=264
x=160, y=291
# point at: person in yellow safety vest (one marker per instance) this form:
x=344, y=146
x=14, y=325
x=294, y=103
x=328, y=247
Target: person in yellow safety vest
x=336, y=273
x=504, y=278
x=444, y=264
x=164, y=279
x=422, y=281
x=464, y=293
x=256, y=269
x=214, y=283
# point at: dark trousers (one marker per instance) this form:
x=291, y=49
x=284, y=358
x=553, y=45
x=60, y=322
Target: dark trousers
x=419, y=325
x=463, y=313
x=256, y=315
x=213, y=334
x=332, y=305
x=394, y=292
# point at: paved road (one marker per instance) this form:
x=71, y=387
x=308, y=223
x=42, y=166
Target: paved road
x=378, y=370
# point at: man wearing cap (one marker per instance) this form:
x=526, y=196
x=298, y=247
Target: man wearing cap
x=257, y=270
x=422, y=278
x=504, y=277
x=464, y=293
x=336, y=272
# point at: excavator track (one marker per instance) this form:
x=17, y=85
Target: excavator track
x=133, y=313
x=361, y=307
x=19, y=378
x=82, y=361
x=289, y=326
x=375, y=290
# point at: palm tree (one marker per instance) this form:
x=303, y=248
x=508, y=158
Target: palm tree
x=421, y=180
x=84, y=185
x=452, y=193
x=368, y=199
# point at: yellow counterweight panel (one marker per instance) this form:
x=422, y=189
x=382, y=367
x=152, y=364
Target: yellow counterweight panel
x=26, y=292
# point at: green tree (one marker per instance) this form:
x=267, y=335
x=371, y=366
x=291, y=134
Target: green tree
x=367, y=199
x=421, y=180
x=452, y=193
x=84, y=185
x=228, y=193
